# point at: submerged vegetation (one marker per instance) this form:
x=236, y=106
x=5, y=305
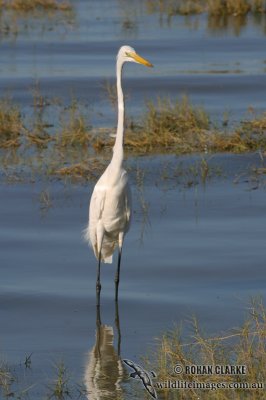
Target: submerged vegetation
x=243, y=346
x=70, y=146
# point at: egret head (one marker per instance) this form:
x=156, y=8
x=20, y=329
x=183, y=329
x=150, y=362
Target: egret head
x=128, y=54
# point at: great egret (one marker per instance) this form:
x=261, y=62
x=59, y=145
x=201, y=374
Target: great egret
x=110, y=205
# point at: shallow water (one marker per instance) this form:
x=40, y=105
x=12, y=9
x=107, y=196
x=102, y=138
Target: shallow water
x=194, y=247
x=219, y=69
x=202, y=252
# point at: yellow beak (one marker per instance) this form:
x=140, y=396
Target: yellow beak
x=140, y=59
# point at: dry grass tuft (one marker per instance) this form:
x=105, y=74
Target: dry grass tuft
x=31, y=5
x=253, y=132
x=212, y=7
x=243, y=346
x=75, y=131
x=6, y=380
x=169, y=125
x=87, y=170
x=11, y=126
x=229, y=7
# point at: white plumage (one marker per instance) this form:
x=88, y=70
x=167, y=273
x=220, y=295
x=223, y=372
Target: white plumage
x=110, y=212
x=110, y=205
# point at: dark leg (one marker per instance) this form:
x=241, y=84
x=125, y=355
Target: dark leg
x=118, y=328
x=117, y=276
x=98, y=283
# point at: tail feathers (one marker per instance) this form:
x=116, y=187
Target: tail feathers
x=107, y=248
x=108, y=260
x=86, y=235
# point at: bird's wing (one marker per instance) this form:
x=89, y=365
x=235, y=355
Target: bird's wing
x=128, y=204
x=97, y=201
x=95, y=213
x=131, y=365
x=151, y=390
x=134, y=366
x=143, y=375
x=147, y=382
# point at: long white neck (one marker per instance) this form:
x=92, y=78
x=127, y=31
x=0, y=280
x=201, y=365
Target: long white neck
x=118, y=153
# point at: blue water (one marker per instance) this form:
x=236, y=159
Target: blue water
x=193, y=248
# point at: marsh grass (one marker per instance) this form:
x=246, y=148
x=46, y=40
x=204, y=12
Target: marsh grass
x=181, y=128
x=60, y=388
x=18, y=16
x=11, y=125
x=241, y=346
x=212, y=7
x=70, y=146
x=6, y=381
x=80, y=170
x=75, y=130
x=168, y=125
x=31, y=5
x=253, y=132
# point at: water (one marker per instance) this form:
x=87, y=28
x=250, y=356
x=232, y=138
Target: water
x=192, y=248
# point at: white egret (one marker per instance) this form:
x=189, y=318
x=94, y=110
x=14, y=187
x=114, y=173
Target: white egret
x=110, y=205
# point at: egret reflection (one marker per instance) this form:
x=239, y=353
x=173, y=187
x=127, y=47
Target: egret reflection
x=104, y=371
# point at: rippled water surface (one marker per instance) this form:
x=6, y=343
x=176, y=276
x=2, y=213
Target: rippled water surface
x=194, y=247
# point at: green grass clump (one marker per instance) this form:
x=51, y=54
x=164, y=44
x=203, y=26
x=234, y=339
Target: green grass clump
x=243, y=346
x=11, y=126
